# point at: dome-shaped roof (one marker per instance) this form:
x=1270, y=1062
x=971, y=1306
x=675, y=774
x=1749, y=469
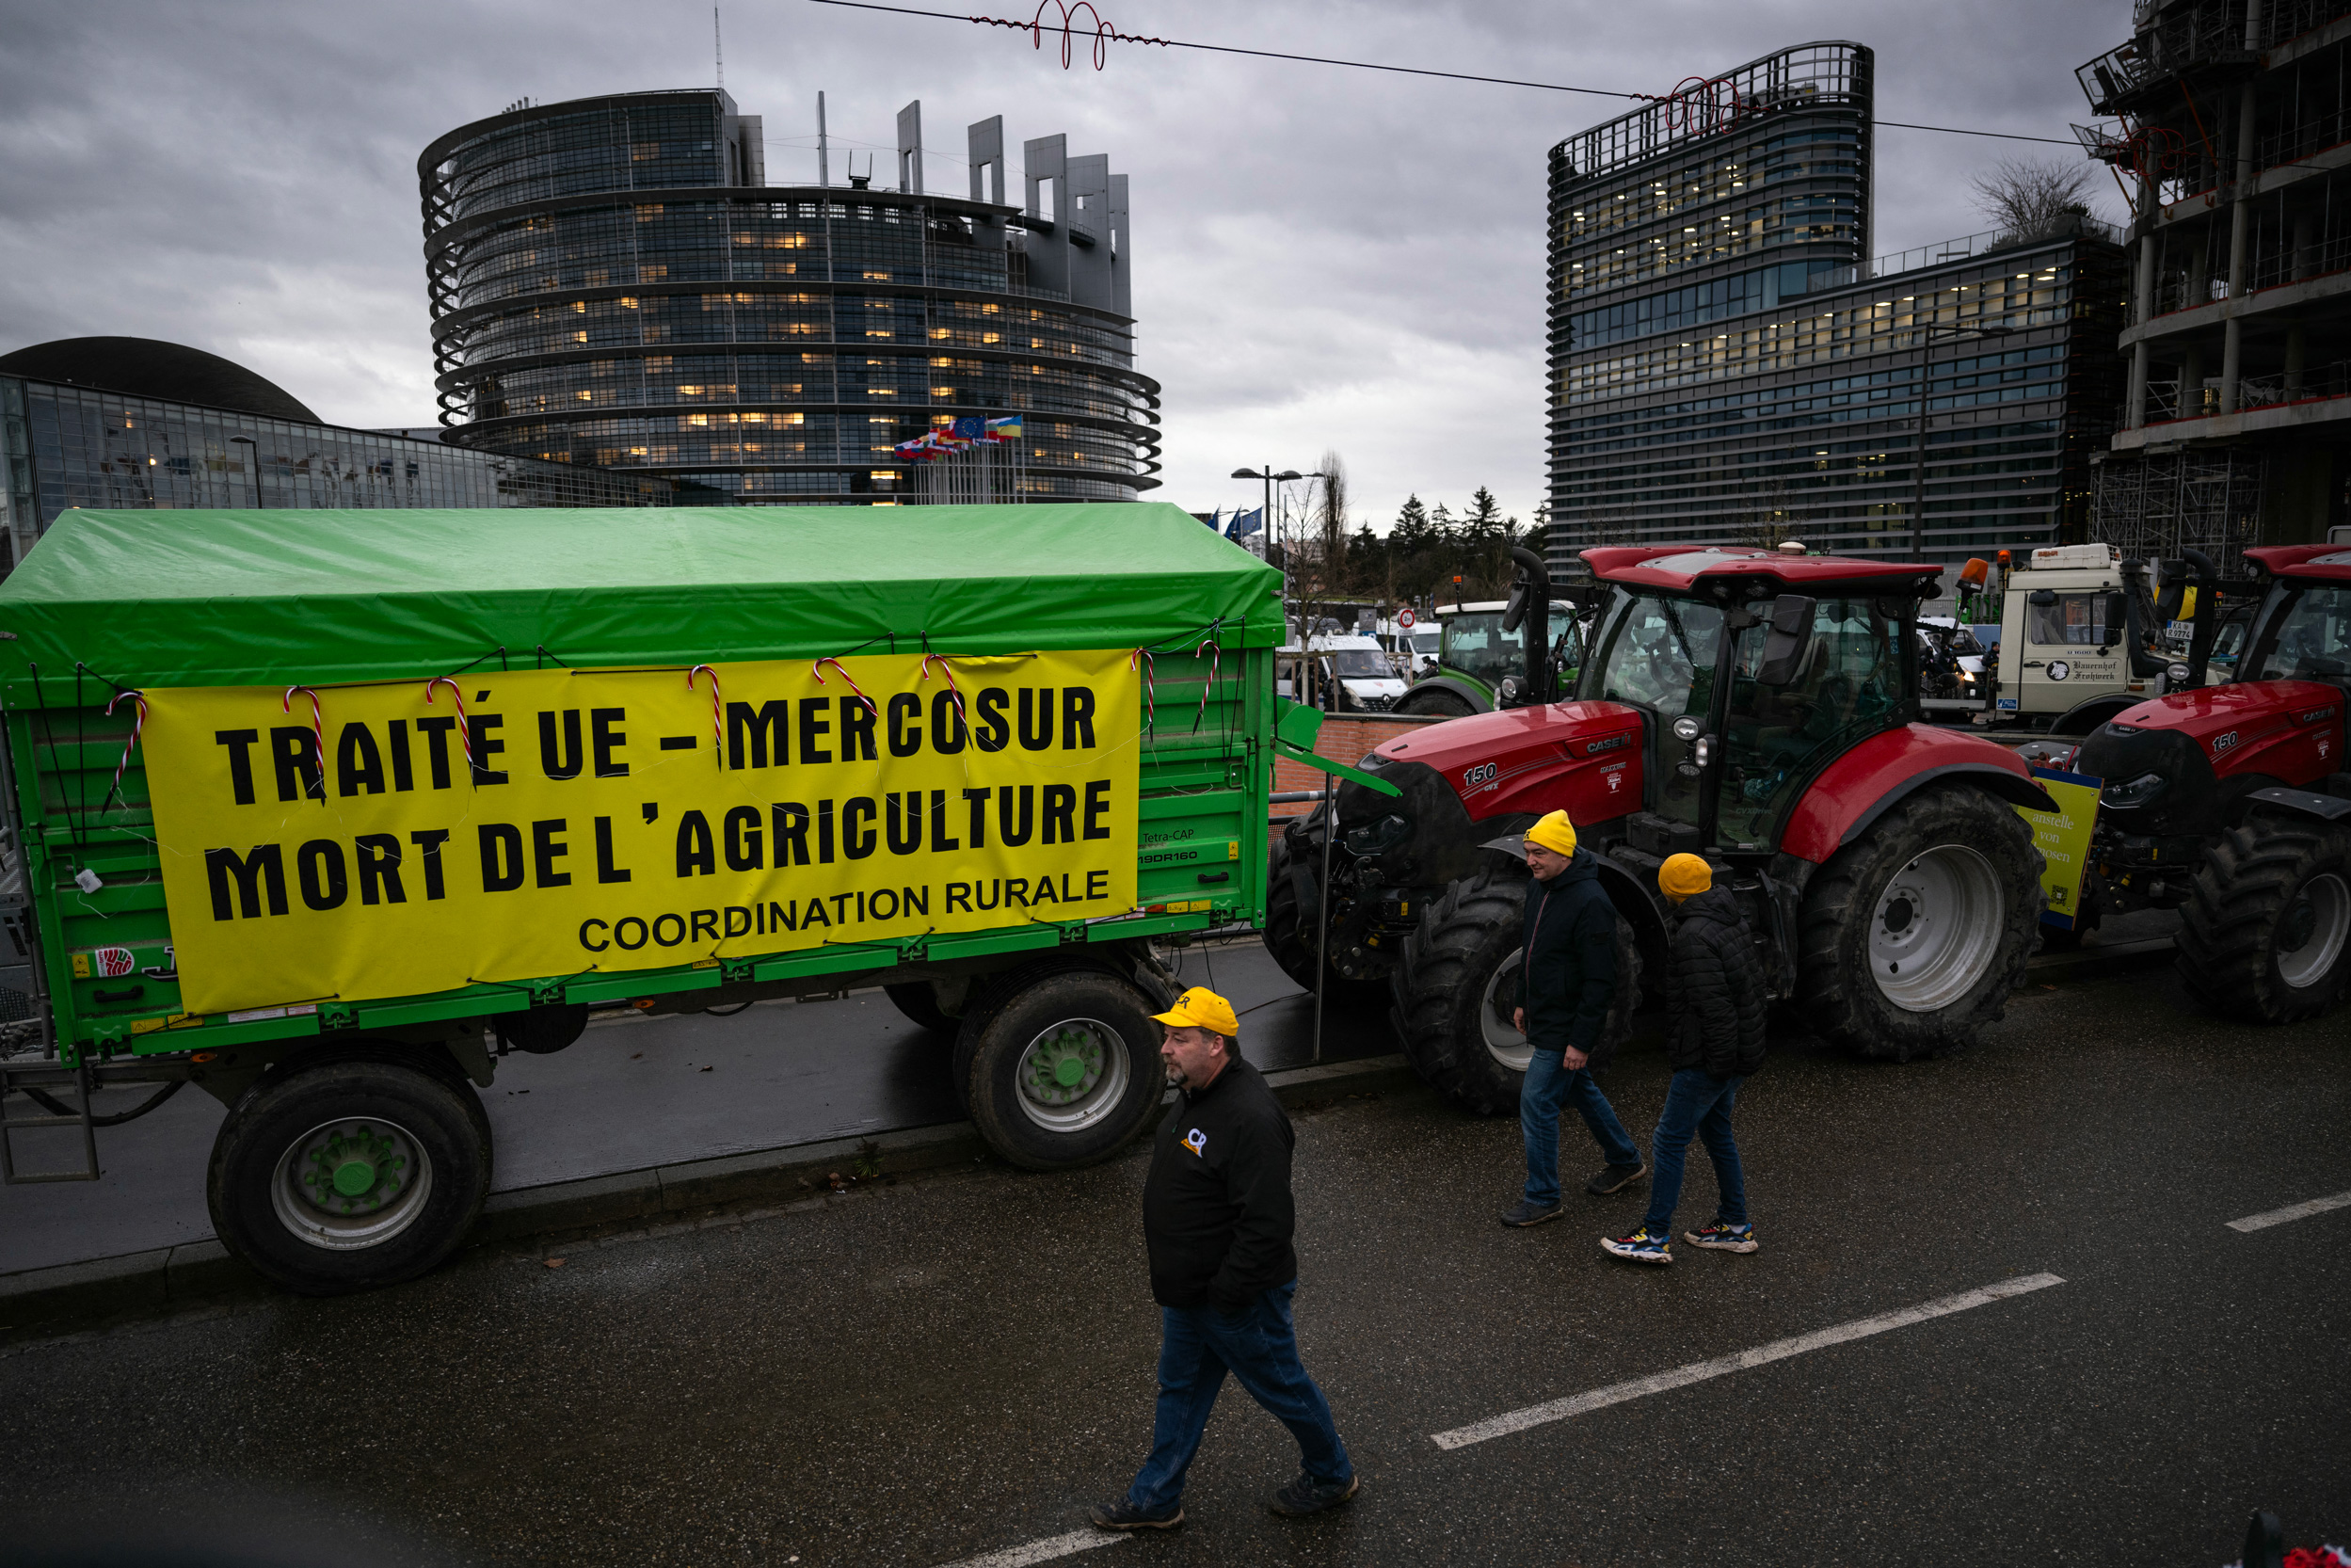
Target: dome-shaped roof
x=169, y=372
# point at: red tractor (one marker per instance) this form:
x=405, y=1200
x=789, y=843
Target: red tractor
x=2231, y=804
x=1754, y=707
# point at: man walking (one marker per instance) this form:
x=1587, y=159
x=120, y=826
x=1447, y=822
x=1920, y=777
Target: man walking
x=1567, y=983
x=1218, y=1218
x=1715, y=1003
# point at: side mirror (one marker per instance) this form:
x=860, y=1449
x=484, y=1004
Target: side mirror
x=1787, y=641
x=1515, y=611
x=2118, y=610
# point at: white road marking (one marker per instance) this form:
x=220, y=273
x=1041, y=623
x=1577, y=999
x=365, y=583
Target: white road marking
x=1699, y=1371
x=1041, y=1551
x=2293, y=1212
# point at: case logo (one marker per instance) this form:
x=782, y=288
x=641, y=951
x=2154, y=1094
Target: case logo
x=1610, y=743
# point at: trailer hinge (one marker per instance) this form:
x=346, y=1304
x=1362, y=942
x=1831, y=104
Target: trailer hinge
x=547, y=992
x=337, y=1014
x=1074, y=936
x=731, y=969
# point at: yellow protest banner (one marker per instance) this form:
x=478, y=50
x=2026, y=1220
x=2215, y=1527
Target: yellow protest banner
x=2063, y=838
x=391, y=840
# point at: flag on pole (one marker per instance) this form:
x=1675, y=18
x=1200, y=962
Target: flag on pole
x=1246, y=523
x=1005, y=430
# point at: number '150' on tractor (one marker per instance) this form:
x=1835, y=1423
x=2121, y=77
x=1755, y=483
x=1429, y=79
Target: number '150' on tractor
x=1754, y=707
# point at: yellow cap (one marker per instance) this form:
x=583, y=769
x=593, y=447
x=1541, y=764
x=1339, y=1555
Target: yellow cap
x=1554, y=832
x=1201, y=1008
x=1684, y=874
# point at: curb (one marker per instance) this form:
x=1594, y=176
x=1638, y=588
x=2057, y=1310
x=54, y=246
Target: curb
x=175, y=1276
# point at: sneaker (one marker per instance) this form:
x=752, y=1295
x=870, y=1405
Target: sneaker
x=1308, y=1495
x=1526, y=1211
x=1120, y=1514
x=1615, y=1179
x=1723, y=1237
x=1641, y=1247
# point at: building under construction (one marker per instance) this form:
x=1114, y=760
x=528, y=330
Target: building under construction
x=2234, y=136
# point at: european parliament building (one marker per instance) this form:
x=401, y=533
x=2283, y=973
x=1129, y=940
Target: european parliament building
x=1729, y=364
x=615, y=285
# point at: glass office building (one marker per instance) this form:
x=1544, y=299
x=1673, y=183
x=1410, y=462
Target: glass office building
x=70, y=445
x=1729, y=365
x=614, y=285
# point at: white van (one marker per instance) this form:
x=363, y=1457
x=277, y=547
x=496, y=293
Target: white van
x=1368, y=682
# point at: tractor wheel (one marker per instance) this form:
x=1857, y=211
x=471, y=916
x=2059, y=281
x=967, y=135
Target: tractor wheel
x=1458, y=985
x=919, y=1004
x=1913, y=936
x=1434, y=701
x=349, y=1175
x=2266, y=928
x=1063, y=1071
x=1291, y=902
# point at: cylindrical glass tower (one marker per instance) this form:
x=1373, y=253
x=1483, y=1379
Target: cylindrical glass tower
x=614, y=284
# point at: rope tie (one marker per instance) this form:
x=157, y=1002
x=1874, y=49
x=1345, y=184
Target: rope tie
x=718, y=721
x=1140, y=660
x=465, y=731
x=953, y=690
x=319, y=732
x=818, y=670
x=1216, y=656
x=138, y=724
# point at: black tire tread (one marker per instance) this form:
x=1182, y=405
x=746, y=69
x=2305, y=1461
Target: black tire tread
x=2239, y=890
x=1001, y=1124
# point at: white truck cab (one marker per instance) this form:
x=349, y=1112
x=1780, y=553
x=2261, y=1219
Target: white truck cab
x=2061, y=640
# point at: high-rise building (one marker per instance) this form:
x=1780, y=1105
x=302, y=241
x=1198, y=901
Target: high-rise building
x=1729, y=365
x=614, y=283
x=2234, y=118
x=132, y=423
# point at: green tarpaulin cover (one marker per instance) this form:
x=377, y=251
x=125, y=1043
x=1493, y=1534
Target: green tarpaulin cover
x=265, y=597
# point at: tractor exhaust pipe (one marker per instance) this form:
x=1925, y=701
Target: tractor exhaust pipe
x=1531, y=604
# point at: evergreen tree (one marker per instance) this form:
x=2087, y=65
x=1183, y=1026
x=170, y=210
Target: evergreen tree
x=1412, y=533
x=1482, y=524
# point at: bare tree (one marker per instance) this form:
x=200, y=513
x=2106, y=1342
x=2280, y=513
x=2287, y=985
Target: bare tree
x=2029, y=199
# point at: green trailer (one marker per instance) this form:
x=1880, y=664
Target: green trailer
x=325, y=812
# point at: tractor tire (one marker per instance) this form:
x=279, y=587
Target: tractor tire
x=1063, y=1071
x=1458, y=985
x=1947, y=883
x=1291, y=903
x=920, y=1005
x=2265, y=932
x=1441, y=703
x=350, y=1174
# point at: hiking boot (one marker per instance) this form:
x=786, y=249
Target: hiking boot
x=1526, y=1211
x=1308, y=1495
x=1615, y=1179
x=1723, y=1237
x=1641, y=1247
x=1120, y=1514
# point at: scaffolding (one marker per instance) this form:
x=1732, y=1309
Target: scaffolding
x=982, y=474
x=2154, y=506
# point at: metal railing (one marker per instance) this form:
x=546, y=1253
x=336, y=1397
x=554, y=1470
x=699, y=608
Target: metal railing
x=1965, y=247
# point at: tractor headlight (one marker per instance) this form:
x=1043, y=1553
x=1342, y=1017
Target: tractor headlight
x=2177, y=674
x=2132, y=794
x=1509, y=688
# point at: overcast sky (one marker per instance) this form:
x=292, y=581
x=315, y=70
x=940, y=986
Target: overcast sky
x=1325, y=259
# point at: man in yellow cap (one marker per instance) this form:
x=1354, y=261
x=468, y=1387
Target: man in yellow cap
x=1567, y=983
x=1217, y=1221
x=1716, y=1003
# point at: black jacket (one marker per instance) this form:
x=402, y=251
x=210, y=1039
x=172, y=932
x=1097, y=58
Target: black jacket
x=1570, y=943
x=1716, y=996
x=1216, y=1215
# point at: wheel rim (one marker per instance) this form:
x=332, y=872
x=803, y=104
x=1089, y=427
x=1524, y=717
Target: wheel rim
x=1073, y=1075
x=2312, y=935
x=1936, y=928
x=1504, y=1043
x=351, y=1184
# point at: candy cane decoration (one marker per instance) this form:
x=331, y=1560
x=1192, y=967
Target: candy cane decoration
x=718, y=722
x=1216, y=656
x=139, y=700
x=953, y=689
x=465, y=731
x=1140, y=659
x=319, y=732
x=818, y=670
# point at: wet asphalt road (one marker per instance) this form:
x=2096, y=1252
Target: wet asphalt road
x=915, y=1374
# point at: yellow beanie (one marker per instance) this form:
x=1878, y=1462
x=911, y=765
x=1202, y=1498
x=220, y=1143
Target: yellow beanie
x=1554, y=832
x=1684, y=874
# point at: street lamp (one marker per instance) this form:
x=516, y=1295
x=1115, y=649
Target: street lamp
x=1925, y=385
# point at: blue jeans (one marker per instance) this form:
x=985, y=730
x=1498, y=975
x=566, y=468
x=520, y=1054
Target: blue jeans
x=1696, y=1103
x=1198, y=1347
x=1548, y=1087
